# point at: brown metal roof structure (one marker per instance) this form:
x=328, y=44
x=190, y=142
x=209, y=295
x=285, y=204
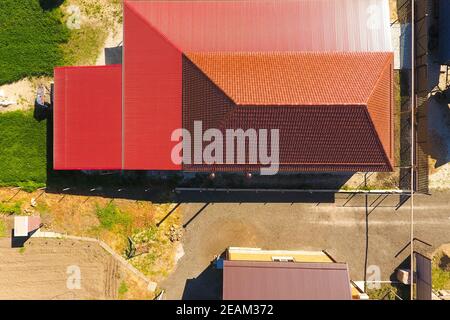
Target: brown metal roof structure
x=251, y=280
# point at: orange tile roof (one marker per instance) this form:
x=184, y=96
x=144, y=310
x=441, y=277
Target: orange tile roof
x=294, y=78
x=343, y=101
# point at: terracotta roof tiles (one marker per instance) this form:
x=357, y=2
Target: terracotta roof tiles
x=294, y=78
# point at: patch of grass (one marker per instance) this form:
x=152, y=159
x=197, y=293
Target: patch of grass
x=111, y=217
x=123, y=289
x=22, y=151
x=389, y=292
x=146, y=236
x=10, y=208
x=146, y=263
x=441, y=272
x=84, y=45
x=30, y=40
x=3, y=229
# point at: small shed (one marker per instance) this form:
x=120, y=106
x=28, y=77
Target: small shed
x=24, y=225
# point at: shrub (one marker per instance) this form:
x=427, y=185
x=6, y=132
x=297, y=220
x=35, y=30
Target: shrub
x=10, y=208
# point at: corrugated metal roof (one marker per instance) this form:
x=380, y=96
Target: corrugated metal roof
x=87, y=118
x=152, y=96
x=271, y=25
x=249, y=280
x=294, y=78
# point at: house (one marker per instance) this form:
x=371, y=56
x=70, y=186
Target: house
x=255, y=274
x=319, y=74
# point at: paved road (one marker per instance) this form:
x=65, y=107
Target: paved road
x=338, y=227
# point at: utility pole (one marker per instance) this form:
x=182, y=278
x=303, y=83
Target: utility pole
x=413, y=104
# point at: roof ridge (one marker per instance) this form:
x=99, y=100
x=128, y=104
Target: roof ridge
x=266, y=66
x=338, y=104
x=380, y=75
x=137, y=12
x=185, y=54
x=355, y=53
x=374, y=132
x=385, y=66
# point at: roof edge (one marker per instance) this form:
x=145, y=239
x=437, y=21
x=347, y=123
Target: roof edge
x=380, y=144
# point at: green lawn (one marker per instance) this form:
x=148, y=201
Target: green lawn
x=22, y=150
x=30, y=40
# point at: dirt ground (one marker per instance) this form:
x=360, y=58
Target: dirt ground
x=43, y=268
x=22, y=93
x=105, y=16
x=77, y=215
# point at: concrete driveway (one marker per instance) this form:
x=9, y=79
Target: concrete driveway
x=341, y=228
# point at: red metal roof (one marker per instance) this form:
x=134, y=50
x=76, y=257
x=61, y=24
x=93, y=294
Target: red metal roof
x=270, y=25
x=152, y=95
x=251, y=280
x=87, y=118
x=136, y=134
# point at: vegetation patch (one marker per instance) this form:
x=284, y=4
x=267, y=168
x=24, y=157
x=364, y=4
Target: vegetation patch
x=3, y=229
x=111, y=217
x=95, y=19
x=123, y=289
x=30, y=40
x=84, y=45
x=22, y=151
x=10, y=208
x=441, y=272
x=389, y=292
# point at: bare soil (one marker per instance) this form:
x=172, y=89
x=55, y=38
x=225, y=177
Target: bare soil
x=40, y=271
x=22, y=92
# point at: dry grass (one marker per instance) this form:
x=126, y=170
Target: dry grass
x=77, y=215
x=393, y=9
x=99, y=18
